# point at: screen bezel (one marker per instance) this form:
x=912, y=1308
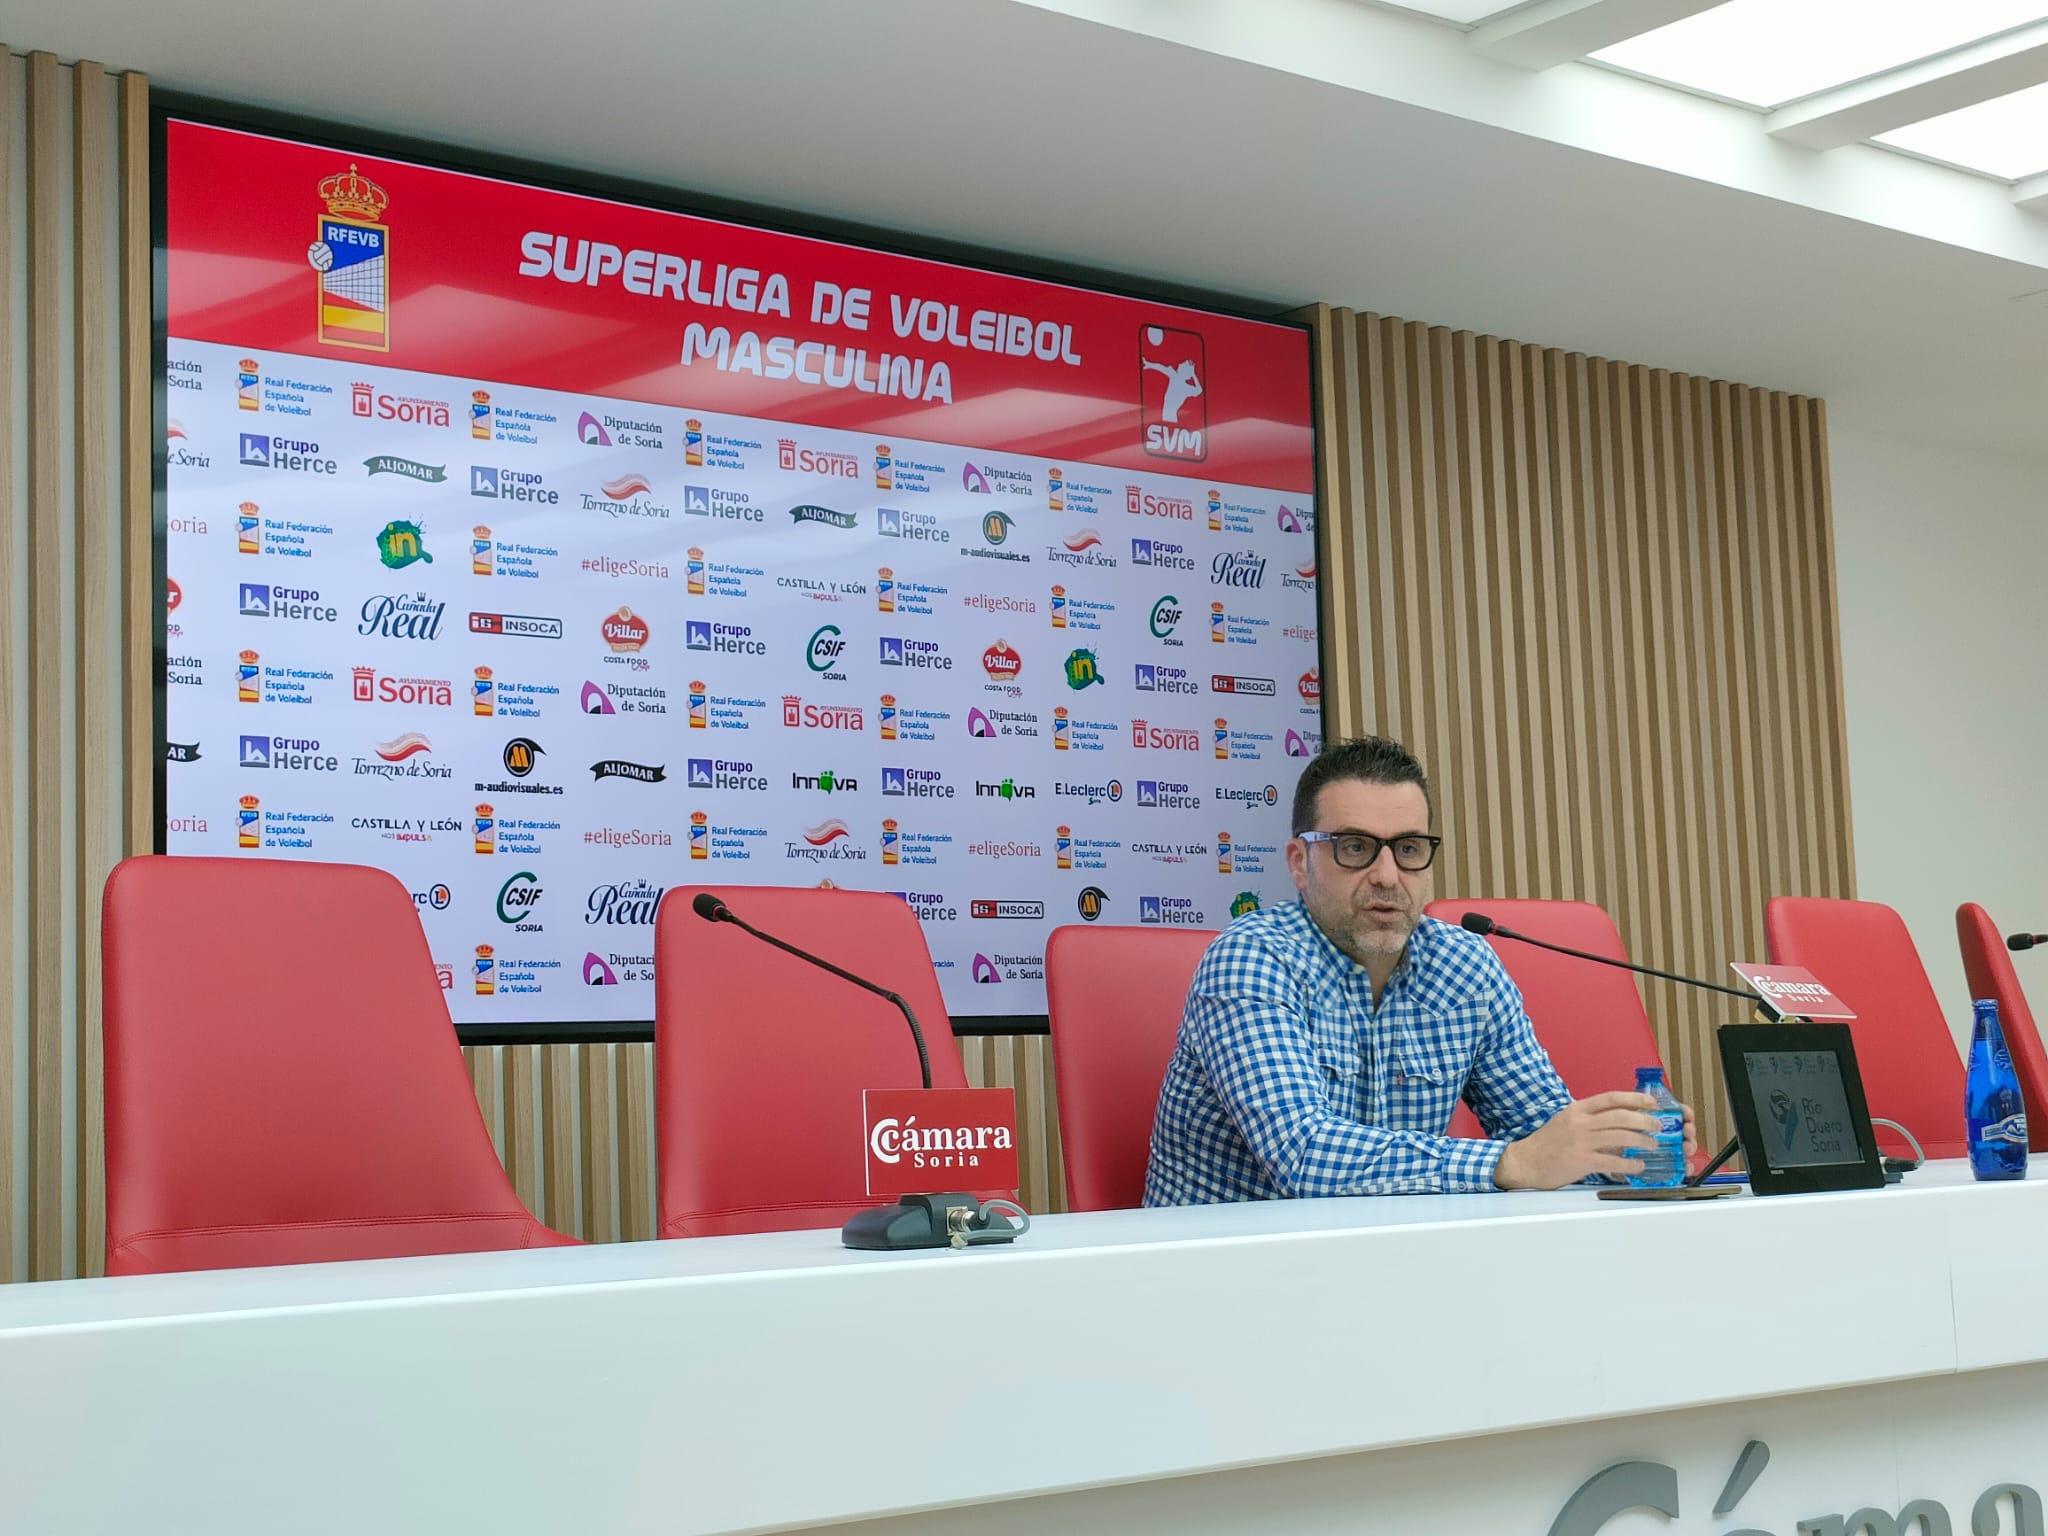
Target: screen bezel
x=1766, y=1177
x=166, y=106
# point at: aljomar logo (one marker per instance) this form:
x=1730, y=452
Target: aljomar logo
x=1628, y=1485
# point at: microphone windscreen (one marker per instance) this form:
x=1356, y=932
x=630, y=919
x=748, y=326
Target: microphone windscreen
x=2023, y=941
x=709, y=907
x=1476, y=922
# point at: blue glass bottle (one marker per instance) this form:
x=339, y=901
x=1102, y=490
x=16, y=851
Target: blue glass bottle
x=1992, y=1106
x=1664, y=1166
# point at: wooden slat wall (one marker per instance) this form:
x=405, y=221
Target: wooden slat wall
x=1598, y=601
x=75, y=621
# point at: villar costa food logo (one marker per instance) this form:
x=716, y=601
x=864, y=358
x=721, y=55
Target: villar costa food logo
x=624, y=631
x=924, y=1140
x=1001, y=662
x=1171, y=407
x=349, y=257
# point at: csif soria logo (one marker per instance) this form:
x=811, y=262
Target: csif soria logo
x=349, y=257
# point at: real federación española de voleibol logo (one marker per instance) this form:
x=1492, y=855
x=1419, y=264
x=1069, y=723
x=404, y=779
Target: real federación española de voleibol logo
x=350, y=260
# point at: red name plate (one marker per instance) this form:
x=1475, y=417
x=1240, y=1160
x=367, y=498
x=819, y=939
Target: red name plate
x=924, y=1140
x=1793, y=989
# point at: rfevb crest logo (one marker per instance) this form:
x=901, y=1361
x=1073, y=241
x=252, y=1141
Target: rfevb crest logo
x=349, y=257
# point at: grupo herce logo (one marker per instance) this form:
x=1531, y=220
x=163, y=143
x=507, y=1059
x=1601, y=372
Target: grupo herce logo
x=1172, y=387
x=350, y=259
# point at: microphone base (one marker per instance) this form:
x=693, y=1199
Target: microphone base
x=948, y=1220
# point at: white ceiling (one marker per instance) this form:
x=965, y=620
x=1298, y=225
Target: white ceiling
x=1019, y=128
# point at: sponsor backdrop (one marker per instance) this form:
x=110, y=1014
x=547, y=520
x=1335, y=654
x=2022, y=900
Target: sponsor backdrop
x=550, y=551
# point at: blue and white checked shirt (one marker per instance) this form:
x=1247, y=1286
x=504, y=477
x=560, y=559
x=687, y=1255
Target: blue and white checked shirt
x=1286, y=1080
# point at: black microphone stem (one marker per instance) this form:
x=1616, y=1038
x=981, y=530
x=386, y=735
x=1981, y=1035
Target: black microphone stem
x=924, y=1061
x=1644, y=970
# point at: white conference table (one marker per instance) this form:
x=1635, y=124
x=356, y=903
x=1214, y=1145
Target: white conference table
x=1183, y=1368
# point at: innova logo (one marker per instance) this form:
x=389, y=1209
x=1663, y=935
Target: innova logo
x=1653, y=1485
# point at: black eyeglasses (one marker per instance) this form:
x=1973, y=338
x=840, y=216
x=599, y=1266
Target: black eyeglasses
x=1413, y=851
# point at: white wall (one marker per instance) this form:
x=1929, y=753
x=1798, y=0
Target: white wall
x=1941, y=556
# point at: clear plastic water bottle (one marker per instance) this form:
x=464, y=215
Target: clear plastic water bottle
x=1664, y=1166
x=1992, y=1106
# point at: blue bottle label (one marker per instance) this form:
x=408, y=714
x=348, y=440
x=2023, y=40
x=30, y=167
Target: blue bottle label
x=2012, y=1128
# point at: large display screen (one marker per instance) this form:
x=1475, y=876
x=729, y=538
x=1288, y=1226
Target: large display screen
x=550, y=550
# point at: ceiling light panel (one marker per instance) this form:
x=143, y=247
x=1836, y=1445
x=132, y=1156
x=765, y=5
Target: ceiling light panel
x=2006, y=136
x=1464, y=13
x=1765, y=53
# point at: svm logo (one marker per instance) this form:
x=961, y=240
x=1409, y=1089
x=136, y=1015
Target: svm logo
x=1171, y=404
x=349, y=257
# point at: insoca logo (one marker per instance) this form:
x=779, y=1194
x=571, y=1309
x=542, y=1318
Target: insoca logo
x=1628, y=1485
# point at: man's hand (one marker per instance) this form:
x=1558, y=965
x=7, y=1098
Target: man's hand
x=1588, y=1136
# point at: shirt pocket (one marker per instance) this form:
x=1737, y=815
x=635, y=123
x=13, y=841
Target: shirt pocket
x=1424, y=1087
x=1342, y=1069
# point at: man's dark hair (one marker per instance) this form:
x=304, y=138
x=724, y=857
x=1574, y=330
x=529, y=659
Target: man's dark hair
x=1370, y=760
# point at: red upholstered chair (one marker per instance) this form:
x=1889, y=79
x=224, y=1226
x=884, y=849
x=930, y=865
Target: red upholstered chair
x=1989, y=966
x=760, y=1060
x=1588, y=1017
x=1904, y=1051
x=282, y=1082
x=1115, y=996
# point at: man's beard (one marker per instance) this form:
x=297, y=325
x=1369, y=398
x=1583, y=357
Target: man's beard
x=1357, y=938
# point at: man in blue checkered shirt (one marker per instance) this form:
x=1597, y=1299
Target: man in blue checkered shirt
x=1326, y=1043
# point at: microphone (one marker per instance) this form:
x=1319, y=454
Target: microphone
x=1480, y=923
x=714, y=910
x=2025, y=940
